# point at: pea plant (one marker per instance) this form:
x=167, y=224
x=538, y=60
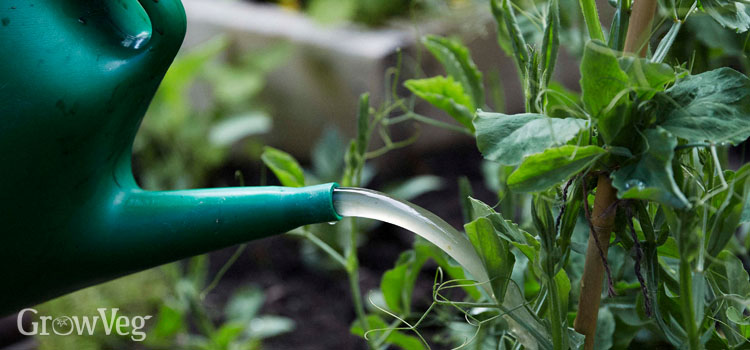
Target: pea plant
x=619, y=219
x=632, y=196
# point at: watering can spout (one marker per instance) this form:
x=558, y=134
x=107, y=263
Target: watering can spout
x=149, y=228
x=76, y=78
x=133, y=230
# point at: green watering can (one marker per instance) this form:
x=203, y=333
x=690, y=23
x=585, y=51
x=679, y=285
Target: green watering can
x=76, y=77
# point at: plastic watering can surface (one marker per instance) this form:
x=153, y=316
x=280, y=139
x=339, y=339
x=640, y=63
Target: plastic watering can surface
x=76, y=77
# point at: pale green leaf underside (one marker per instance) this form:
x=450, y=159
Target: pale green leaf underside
x=541, y=171
x=651, y=178
x=508, y=139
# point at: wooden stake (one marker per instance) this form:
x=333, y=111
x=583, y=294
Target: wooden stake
x=603, y=217
x=639, y=26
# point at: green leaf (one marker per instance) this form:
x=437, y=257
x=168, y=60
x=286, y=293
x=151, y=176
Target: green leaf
x=284, y=166
x=446, y=94
x=541, y=171
x=508, y=139
x=397, y=283
x=729, y=13
x=651, y=177
x=602, y=79
x=494, y=252
x=458, y=64
x=649, y=77
x=396, y=337
x=713, y=106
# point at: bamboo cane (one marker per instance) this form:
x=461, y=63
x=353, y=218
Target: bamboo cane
x=603, y=215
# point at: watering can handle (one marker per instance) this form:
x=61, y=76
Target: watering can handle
x=168, y=24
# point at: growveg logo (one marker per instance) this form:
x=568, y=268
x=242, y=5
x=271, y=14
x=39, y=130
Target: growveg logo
x=110, y=323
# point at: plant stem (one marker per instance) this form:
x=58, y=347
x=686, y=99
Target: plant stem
x=686, y=303
x=591, y=17
x=602, y=220
x=639, y=29
x=556, y=314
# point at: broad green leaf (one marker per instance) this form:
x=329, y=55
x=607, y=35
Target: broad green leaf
x=446, y=94
x=713, y=106
x=649, y=77
x=541, y=171
x=651, y=177
x=508, y=139
x=729, y=13
x=602, y=79
x=494, y=252
x=284, y=166
x=396, y=337
x=458, y=64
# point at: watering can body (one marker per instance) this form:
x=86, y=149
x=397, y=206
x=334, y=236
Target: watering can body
x=76, y=78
